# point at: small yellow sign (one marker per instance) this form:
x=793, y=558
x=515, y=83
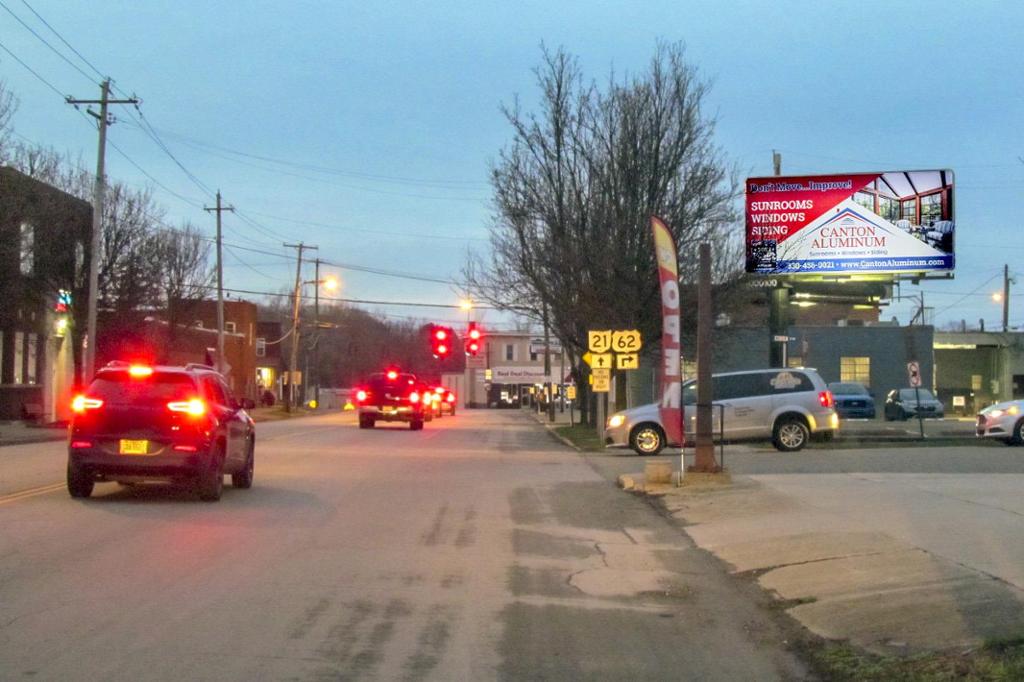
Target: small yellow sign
x=601, y=361
x=487, y=375
x=599, y=341
x=602, y=384
x=570, y=392
x=601, y=372
x=627, y=361
x=627, y=341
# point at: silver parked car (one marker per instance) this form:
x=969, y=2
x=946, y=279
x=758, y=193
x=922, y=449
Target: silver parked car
x=786, y=405
x=1003, y=421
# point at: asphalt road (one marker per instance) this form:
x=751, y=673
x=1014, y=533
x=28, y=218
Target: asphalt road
x=478, y=548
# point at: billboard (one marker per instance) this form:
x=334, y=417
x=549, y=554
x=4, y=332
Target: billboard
x=892, y=222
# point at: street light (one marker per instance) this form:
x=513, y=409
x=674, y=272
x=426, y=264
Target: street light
x=997, y=297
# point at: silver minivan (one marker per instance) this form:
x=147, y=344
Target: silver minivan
x=786, y=405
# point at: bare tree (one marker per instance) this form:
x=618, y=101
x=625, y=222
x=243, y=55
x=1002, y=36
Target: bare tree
x=179, y=259
x=575, y=189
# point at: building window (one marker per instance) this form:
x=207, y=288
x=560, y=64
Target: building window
x=28, y=248
x=19, y=357
x=794, y=361
x=908, y=210
x=889, y=208
x=931, y=208
x=230, y=327
x=261, y=347
x=865, y=199
x=855, y=369
x=510, y=351
x=33, y=362
x=975, y=382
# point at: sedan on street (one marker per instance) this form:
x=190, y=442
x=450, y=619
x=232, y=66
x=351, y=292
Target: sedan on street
x=1003, y=421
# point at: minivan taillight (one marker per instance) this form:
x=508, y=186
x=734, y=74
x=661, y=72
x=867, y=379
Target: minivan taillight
x=194, y=407
x=414, y=397
x=826, y=399
x=81, y=404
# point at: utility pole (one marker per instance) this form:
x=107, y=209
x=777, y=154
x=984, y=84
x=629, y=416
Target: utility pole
x=547, y=367
x=294, y=358
x=1006, y=298
x=315, y=374
x=705, y=446
x=778, y=305
x=103, y=120
x=220, y=283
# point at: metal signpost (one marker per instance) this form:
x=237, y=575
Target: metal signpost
x=914, y=378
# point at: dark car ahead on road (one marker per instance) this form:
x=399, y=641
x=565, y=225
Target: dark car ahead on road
x=853, y=400
x=903, y=403
x=391, y=396
x=136, y=423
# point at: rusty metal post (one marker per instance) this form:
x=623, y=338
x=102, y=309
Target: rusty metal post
x=705, y=446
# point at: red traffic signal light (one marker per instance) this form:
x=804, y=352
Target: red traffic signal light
x=473, y=336
x=440, y=341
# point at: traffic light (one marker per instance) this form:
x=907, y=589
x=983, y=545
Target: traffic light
x=441, y=341
x=473, y=335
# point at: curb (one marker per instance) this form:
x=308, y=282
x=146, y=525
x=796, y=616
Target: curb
x=551, y=430
x=36, y=439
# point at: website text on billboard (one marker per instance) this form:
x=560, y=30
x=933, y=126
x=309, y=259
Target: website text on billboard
x=891, y=222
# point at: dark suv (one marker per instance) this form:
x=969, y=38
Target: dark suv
x=136, y=423
x=391, y=396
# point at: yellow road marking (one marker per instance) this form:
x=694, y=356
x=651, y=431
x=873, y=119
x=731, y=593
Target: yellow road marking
x=32, y=492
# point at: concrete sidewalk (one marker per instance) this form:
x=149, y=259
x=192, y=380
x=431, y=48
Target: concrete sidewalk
x=19, y=432
x=896, y=564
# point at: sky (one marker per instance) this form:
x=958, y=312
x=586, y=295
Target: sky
x=388, y=117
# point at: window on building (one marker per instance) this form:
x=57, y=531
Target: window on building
x=19, y=357
x=889, y=208
x=534, y=356
x=855, y=368
x=794, y=361
x=230, y=327
x=865, y=199
x=975, y=382
x=931, y=208
x=261, y=347
x=510, y=351
x=908, y=210
x=32, y=366
x=28, y=248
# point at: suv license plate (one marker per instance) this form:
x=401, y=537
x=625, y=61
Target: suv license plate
x=134, y=447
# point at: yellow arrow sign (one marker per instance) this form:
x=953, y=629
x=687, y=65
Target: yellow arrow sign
x=627, y=361
x=601, y=360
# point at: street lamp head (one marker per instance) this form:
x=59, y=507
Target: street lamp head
x=466, y=304
x=330, y=283
x=997, y=297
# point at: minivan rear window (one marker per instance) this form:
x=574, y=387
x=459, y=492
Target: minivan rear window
x=120, y=387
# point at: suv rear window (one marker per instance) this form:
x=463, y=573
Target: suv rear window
x=403, y=383
x=120, y=387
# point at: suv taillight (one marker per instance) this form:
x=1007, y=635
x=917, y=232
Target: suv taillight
x=194, y=407
x=826, y=399
x=361, y=395
x=81, y=404
x=414, y=397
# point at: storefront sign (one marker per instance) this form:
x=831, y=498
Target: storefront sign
x=519, y=375
x=892, y=222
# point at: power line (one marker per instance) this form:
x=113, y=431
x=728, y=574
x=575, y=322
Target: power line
x=33, y=71
x=47, y=43
x=440, y=184
x=56, y=33
x=378, y=232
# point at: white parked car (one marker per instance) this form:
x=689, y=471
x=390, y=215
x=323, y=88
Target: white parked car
x=786, y=405
x=1003, y=421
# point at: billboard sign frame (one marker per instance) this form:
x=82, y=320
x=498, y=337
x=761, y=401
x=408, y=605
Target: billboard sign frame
x=877, y=223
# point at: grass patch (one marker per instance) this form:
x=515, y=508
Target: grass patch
x=995, y=661
x=582, y=436
x=276, y=413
